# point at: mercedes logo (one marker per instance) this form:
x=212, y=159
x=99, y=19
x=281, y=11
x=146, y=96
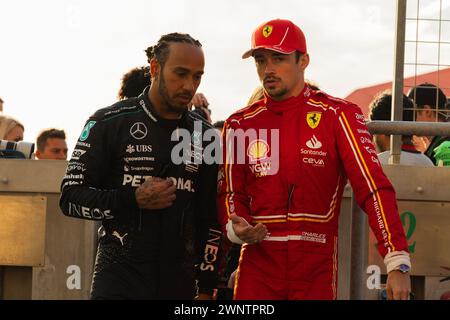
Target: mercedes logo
x=138, y=131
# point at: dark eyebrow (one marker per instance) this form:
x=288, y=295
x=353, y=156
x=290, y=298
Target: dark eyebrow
x=187, y=70
x=181, y=69
x=277, y=54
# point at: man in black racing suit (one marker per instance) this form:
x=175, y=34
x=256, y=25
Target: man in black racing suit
x=169, y=251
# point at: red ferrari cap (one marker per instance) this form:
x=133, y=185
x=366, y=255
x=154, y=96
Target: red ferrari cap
x=278, y=35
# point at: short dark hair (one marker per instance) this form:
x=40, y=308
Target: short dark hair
x=380, y=107
x=219, y=124
x=160, y=51
x=134, y=82
x=431, y=95
x=49, y=134
x=428, y=94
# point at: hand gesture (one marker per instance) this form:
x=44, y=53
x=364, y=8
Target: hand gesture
x=246, y=232
x=199, y=100
x=155, y=193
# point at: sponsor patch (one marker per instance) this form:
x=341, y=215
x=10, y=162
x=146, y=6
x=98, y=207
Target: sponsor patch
x=314, y=143
x=131, y=159
x=267, y=31
x=310, y=152
x=365, y=140
x=261, y=169
x=360, y=118
x=77, y=153
x=313, y=119
x=87, y=129
x=83, y=144
x=191, y=167
x=138, y=131
x=313, y=237
x=314, y=162
x=196, y=138
x=258, y=150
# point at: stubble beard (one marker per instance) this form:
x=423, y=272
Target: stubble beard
x=277, y=93
x=164, y=93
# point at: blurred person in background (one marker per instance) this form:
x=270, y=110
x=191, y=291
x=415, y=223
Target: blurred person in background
x=200, y=106
x=10, y=129
x=218, y=125
x=1, y=104
x=380, y=109
x=51, y=145
x=257, y=94
x=431, y=103
x=204, y=113
x=134, y=82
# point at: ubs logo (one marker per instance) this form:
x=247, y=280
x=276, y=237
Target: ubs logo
x=138, y=131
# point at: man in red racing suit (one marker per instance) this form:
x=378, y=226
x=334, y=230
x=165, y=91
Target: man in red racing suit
x=280, y=188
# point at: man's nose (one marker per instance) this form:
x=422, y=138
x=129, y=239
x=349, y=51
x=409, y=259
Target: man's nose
x=269, y=68
x=189, y=85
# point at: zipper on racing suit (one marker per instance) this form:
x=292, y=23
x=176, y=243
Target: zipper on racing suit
x=291, y=193
x=140, y=220
x=187, y=207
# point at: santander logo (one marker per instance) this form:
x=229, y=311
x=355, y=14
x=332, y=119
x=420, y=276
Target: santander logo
x=314, y=143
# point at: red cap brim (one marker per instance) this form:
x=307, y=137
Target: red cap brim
x=249, y=53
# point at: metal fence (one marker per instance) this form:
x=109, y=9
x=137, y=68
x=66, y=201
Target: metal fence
x=422, y=44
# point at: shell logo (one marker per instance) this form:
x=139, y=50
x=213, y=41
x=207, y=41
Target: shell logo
x=258, y=150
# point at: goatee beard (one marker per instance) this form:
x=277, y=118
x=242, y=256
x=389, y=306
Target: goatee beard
x=179, y=110
x=164, y=94
x=277, y=94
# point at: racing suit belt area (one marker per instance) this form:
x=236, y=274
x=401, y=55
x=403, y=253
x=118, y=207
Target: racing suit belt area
x=143, y=254
x=322, y=142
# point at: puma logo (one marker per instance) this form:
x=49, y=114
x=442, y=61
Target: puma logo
x=117, y=235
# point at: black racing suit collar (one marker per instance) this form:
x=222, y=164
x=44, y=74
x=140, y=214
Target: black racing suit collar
x=147, y=106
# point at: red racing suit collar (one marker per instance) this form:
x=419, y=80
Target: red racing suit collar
x=289, y=103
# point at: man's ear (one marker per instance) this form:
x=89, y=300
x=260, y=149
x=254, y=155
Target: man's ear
x=38, y=154
x=154, y=68
x=304, y=61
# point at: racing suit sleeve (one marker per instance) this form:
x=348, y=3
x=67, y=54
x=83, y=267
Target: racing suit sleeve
x=210, y=233
x=373, y=191
x=232, y=198
x=85, y=191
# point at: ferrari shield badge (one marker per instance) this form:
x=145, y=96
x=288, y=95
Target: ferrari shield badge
x=267, y=31
x=313, y=119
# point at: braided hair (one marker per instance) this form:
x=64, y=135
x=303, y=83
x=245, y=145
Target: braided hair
x=160, y=51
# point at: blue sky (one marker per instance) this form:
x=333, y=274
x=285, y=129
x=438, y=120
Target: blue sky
x=60, y=60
